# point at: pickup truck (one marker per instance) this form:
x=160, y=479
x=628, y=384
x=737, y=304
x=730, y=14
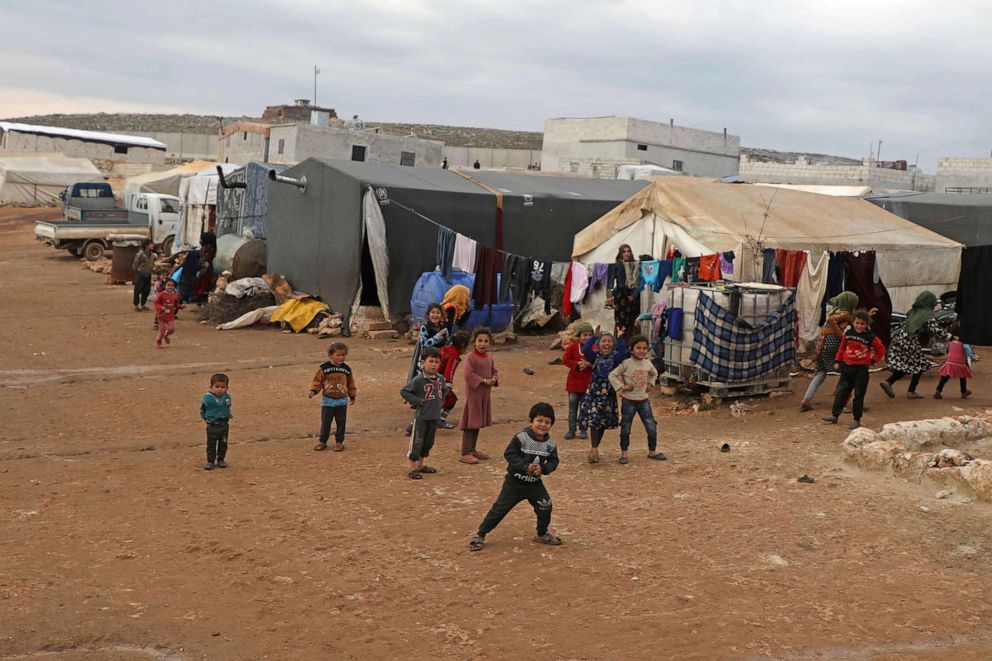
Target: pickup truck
x=92, y=202
x=150, y=214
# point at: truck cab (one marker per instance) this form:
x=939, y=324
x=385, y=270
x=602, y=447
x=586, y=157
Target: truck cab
x=160, y=214
x=86, y=197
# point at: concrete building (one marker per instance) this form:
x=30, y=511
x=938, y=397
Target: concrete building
x=802, y=171
x=292, y=143
x=113, y=147
x=299, y=111
x=243, y=142
x=598, y=146
x=964, y=175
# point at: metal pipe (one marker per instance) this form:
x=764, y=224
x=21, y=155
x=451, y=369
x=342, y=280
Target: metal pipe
x=300, y=183
x=233, y=184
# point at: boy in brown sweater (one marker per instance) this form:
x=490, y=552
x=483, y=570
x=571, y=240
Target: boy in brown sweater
x=335, y=380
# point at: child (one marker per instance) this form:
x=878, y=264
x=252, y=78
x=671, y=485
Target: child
x=424, y=393
x=579, y=375
x=451, y=357
x=859, y=349
x=956, y=365
x=456, y=307
x=841, y=308
x=529, y=455
x=633, y=379
x=215, y=409
x=166, y=306
x=480, y=378
x=159, y=287
x=335, y=380
x=433, y=333
x=598, y=409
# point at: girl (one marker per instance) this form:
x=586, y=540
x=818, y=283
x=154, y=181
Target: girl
x=598, y=410
x=432, y=334
x=455, y=307
x=480, y=378
x=956, y=366
x=841, y=308
x=166, y=306
x=579, y=375
x=626, y=307
x=906, y=349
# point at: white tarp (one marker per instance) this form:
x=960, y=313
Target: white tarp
x=631, y=172
x=79, y=134
x=198, y=197
x=165, y=182
x=39, y=178
x=374, y=227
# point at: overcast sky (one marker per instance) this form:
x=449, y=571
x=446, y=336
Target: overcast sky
x=801, y=75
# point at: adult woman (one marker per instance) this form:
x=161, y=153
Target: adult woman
x=841, y=308
x=626, y=307
x=905, y=355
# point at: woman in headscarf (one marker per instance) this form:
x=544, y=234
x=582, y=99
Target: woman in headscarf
x=905, y=355
x=455, y=306
x=626, y=306
x=839, y=316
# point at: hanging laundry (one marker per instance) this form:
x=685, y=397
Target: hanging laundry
x=727, y=262
x=464, y=254
x=692, y=269
x=859, y=277
x=664, y=271
x=566, y=298
x=539, y=282
x=580, y=282
x=616, y=276
x=768, y=275
x=558, y=270
x=675, y=318
x=790, y=266
x=599, y=276
x=632, y=272
x=672, y=253
x=835, y=282
x=809, y=293
x=678, y=269
x=509, y=275
x=488, y=262
x=651, y=276
x=709, y=268
x=445, y=251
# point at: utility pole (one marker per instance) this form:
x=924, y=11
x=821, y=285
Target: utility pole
x=878, y=153
x=315, y=72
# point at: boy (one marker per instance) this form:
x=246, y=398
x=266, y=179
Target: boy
x=215, y=409
x=859, y=348
x=424, y=392
x=529, y=455
x=335, y=380
x=632, y=379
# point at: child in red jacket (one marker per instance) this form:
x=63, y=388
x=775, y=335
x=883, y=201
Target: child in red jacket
x=859, y=349
x=451, y=357
x=579, y=375
x=166, y=306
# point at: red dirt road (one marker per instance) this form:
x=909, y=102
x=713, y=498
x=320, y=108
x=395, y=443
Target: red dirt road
x=117, y=545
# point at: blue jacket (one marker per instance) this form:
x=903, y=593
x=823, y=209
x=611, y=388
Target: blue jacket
x=216, y=409
x=603, y=365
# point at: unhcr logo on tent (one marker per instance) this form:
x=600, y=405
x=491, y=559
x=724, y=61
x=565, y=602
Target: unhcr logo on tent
x=382, y=195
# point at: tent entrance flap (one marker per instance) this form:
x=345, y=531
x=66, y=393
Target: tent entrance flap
x=374, y=269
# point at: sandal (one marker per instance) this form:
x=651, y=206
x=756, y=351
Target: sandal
x=476, y=543
x=549, y=539
x=338, y=447
x=624, y=461
x=430, y=470
x=594, y=456
x=913, y=395
x=660, y=456
x=320, y=447
x=481, y=456
x=468, y=459
x=414, y=475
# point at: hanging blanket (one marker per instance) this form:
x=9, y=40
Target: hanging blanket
x=733, y=350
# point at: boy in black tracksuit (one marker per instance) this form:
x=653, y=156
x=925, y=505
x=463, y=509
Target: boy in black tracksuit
x=530, y=455
x=425, y=392
x=859, y=349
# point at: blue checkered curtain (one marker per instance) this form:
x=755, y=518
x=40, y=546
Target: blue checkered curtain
x=732, y=350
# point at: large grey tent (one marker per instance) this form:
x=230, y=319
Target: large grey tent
x=372, y=228
x=966, y=218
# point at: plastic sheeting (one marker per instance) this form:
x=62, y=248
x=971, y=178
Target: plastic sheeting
x=198, y=196
x=245, y=211
x=166, y=182
x=375, y=230
x=39, y=178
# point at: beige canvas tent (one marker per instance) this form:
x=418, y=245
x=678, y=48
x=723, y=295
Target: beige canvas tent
x=700, y=217
x=37, y=179
x=165, y=182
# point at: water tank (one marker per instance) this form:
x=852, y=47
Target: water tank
x=241, y=255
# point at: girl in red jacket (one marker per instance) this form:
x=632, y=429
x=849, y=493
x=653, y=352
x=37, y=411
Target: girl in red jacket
x=166, y=306
x=859, y=349
x=579, y=375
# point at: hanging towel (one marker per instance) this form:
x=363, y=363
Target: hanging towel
x=632, y=272
x=678, y=269
x=768, y=266
x=464, y=254
x=580, y=282
x=809, y=294
x=445, y=251
x=790, y=264
x=675, y=317
x=692, y=269
x=488, y=262
x=558, y=270
x=727, y=262
x=651, y=276
x=709, y=268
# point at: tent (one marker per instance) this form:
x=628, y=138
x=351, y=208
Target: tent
x=37, y=179
x=244, y=210
x=362, y=233
x=700, y=218
x=198, y=200
x=966, y=218
x=837, y=191
x=165, y=182
x=645, y=171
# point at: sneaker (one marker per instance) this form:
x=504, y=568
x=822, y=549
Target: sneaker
x=446, y=425
x=221, y=464
x=854, y=425
x=137, y=309
x=829, y=419
x=569, y=435
x=624, y=461
x=804, y=406
x=887, y=389
x=208, y=466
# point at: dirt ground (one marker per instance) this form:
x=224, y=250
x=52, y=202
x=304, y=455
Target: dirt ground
x=115, y=544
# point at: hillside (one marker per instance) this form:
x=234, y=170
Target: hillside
x=773, y=156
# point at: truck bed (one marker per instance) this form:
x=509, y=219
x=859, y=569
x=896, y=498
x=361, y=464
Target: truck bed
x=77, y=214
x=58, y=231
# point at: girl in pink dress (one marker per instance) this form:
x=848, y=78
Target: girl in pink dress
x=480, y=378
x=955, y=365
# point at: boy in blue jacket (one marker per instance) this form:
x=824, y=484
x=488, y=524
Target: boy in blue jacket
x=215, y=409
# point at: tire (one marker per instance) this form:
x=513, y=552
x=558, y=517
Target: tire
x=167, y=246
x=93, y=250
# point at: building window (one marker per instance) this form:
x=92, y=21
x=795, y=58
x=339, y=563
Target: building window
x=120, y=149
x=573, y=166
x=642, y=147
x=244, y=135
x=357, y=153
x=407, y=158
x=282, y=145
x=677, y=165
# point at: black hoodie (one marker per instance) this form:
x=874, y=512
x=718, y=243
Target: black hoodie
x=526, y=449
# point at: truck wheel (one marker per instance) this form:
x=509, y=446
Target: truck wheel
x=93, y=250
x=167, y=246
